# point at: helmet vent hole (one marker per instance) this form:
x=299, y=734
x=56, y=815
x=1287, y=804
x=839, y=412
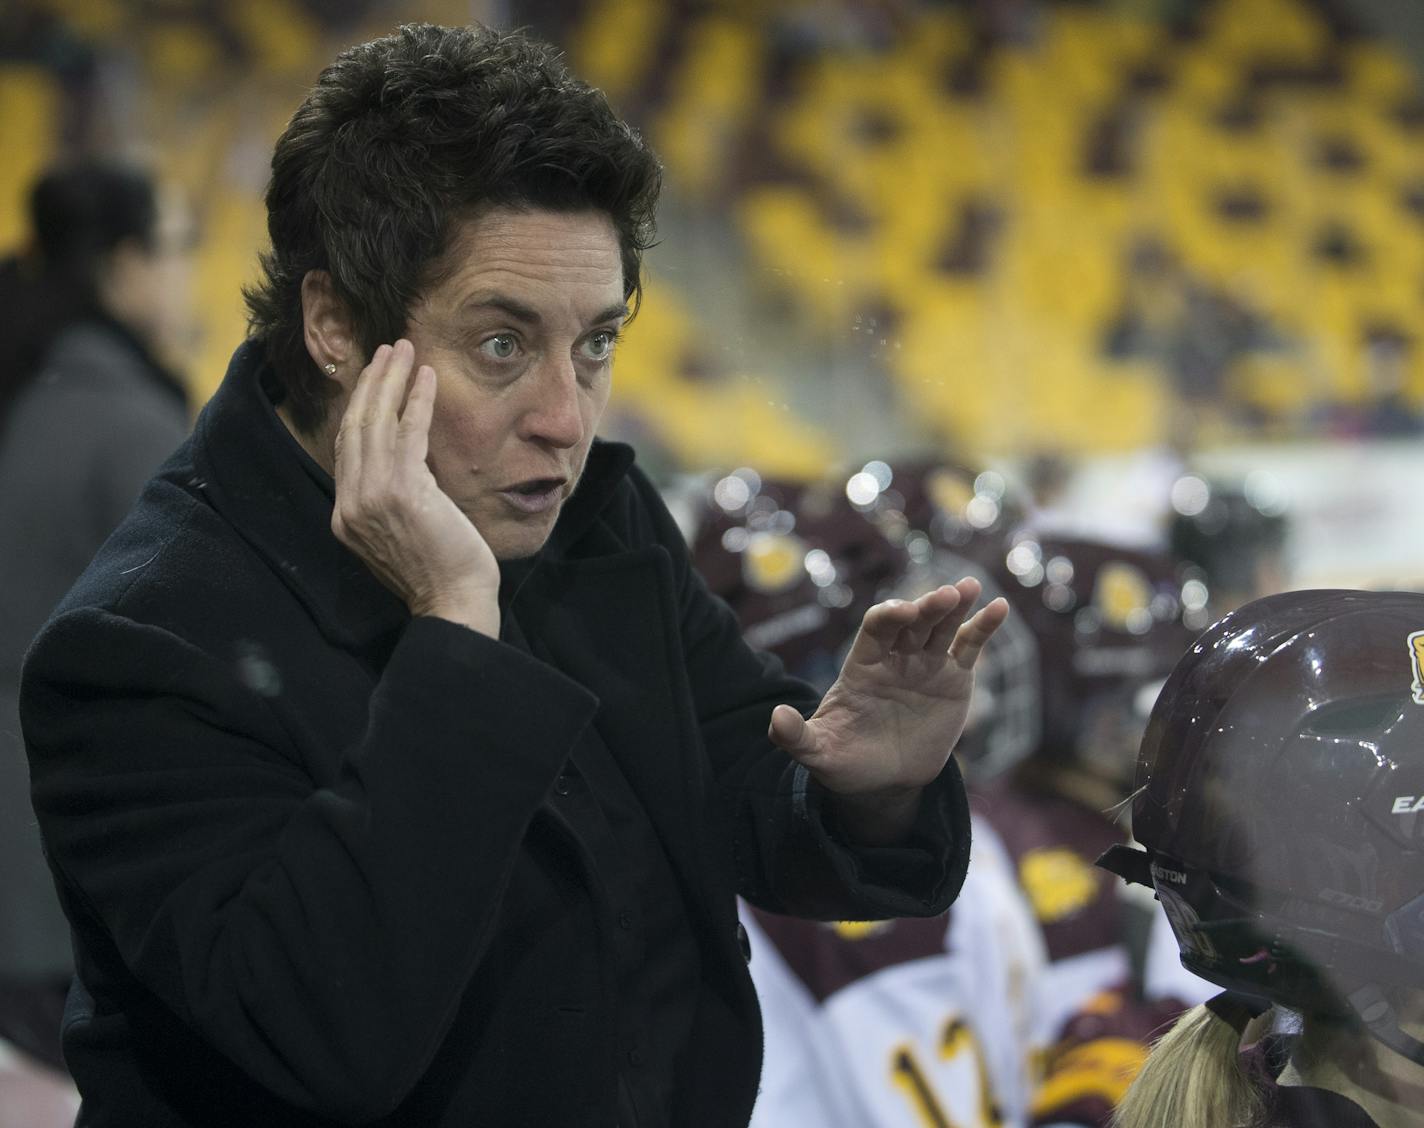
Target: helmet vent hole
x=1354, y=718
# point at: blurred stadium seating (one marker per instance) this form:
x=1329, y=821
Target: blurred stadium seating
x=985, y=186
x=1062, y=224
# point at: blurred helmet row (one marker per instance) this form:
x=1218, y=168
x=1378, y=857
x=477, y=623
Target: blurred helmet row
x=1279, y=786
x=1096, y=627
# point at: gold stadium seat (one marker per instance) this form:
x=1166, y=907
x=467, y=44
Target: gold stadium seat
x=654, y=344
x=1378, y=74
x=734, y=425
x=233, y=228
x=179, y=53
x=613, y=46
x=824, y=272
x=768, y=434
x=1333, y=333
x=94, y=19
x=945, y=365
x=1204, y=77
x=1086, y=49
x=280, y=34
x=723, y=421
x=1388, y=295
x=1284, y=31
x=29, y=116
x=712, y=98
x=936, y=38
x=1276, y=384
x=1124, y=409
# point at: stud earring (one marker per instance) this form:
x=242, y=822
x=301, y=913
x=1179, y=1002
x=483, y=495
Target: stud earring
x=329, y=369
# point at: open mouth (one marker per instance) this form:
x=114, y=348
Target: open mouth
x=534, y=496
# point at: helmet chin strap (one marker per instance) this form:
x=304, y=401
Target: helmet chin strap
x=1237, y=1009
x=1380, y=1020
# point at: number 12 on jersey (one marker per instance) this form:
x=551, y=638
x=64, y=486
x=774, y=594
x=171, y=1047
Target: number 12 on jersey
x=928, y=1100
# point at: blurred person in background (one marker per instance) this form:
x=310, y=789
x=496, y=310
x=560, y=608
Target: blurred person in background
x=392, y=761
x=1109, y=623
x=88, y=410
x=1279, y=808
x=897, y=1023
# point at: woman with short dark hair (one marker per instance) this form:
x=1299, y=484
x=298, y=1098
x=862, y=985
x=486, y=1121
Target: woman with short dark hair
x=394, y=763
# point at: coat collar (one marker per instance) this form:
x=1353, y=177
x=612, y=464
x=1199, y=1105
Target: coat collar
x=259, y=478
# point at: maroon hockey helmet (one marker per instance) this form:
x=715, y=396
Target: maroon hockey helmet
x=798, y=564
x=922, y=502
x=1110, y=623
x=1281, y=804
x=1237, y=536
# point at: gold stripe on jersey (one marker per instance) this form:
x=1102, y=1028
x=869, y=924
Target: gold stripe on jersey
x=1102, y=1068
x=1059, y=882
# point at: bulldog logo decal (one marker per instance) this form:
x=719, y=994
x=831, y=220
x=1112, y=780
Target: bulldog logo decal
x=1416, y=658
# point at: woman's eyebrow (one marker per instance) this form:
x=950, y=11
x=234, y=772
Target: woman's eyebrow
x=530, y=316
x=617, y=312
x=515, y=309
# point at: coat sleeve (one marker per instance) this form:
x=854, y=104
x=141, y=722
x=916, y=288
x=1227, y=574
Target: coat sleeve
x=320, y=939
x=789, y=855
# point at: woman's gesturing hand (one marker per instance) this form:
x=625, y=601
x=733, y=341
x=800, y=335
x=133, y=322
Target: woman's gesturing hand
x=886, y=727
x=391, y=512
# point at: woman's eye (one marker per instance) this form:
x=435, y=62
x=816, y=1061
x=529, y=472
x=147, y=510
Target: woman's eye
x=500, y=347
x=600, y=345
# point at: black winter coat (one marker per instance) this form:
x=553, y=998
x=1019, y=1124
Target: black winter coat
x=303, y=839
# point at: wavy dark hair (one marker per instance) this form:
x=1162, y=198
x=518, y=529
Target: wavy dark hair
x=406, y=135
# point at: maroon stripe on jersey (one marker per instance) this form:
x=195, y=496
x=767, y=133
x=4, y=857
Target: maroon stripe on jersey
x=1053, y=843
x=829, y=957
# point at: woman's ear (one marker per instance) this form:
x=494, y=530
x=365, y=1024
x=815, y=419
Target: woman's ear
x=326, y=326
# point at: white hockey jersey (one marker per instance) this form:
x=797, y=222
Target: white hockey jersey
x=903, y=1024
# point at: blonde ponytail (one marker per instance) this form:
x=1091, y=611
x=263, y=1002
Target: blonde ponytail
x=1192, y=1079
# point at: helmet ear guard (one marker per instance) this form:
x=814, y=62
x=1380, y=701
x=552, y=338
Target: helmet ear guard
x=1237, y=1009
x=1300, y=977
x=1131, y=863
